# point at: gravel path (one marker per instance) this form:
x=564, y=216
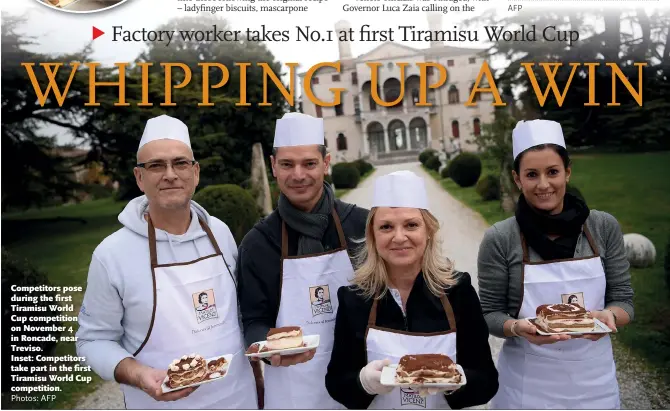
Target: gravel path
x=462, y=231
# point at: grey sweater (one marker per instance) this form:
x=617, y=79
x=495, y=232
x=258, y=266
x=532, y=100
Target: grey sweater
x=500, y=258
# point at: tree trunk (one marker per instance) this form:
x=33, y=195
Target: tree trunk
x=612, y=36
x=509, y=193
x=644, y=48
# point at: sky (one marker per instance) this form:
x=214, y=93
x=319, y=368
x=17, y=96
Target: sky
x=61, y=32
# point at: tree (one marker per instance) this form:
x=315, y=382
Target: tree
x=496, y=141
x=627, y=126
x=221, y=135
x=35, y=173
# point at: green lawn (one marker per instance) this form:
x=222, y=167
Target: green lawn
x=634, y=188
x=60, y=241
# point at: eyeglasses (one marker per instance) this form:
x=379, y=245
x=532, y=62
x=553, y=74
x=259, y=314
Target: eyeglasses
x=160, y=167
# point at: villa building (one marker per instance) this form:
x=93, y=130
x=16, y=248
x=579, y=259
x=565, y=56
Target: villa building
x=360, y=128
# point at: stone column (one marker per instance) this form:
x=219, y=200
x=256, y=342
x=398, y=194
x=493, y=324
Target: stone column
x=259, y=179
x=387, y=141
x=429, y=139
x=404, y=102
x=366, y=143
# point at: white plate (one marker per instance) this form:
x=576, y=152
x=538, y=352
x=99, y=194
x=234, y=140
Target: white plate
x=229, y=359
x=311, y=340
x=600, y=328
x=388, y=379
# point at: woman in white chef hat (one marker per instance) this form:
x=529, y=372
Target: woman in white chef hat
x=554, y=250
x=406, y=298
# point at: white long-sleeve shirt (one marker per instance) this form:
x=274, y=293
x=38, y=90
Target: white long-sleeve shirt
x=116, y=312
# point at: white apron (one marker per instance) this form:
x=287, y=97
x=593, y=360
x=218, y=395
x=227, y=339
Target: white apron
x=573, y=374
x=195, y=311
x=384, y=343
x=309, y=287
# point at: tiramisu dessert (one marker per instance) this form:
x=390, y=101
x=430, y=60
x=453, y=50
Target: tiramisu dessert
x=253, y=348
x=283, y=338
x=564, y=318
x=427, y=368
x=187, y=370
x=217, y=368
x=218, y=365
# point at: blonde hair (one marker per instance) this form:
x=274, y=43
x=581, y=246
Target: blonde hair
x=371, y=276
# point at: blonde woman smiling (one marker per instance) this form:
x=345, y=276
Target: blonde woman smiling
x=406, y=298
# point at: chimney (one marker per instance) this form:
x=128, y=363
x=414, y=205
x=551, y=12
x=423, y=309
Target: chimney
x=435, y=24
x=343, y=46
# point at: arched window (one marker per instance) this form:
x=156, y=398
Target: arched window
x=341, y=142
x=453, y=95
x=415, y=96
x=477, y=127
x=455, y=131
x=373, y=103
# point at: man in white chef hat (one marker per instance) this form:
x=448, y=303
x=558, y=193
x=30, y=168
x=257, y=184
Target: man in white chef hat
x=296, y=255
x=139, y=316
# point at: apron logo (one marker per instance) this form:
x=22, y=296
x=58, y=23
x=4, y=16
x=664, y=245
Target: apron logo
x=573, y=298
x=410, y=397
x=204, y=305
x=319, y=297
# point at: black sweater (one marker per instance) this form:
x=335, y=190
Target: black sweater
x=425, y=314
x=259, y=265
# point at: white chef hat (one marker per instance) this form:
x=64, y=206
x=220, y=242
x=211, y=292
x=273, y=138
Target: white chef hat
x=165, y=127
x=532, y=133
x=298, y=129
x=400, y=189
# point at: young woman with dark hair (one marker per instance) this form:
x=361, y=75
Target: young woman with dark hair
x=553, y=248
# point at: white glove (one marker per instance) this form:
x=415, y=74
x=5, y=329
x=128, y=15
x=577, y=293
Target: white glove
x=370, y=377
x=424, y=392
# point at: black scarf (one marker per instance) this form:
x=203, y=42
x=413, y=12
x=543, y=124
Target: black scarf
x=536, y=225
x=310, y=226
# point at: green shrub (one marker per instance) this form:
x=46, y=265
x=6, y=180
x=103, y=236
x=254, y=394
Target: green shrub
x=231, y=204
x=328, y=179
x=667, y=265
x=426, y=154
x=363, y=166
x=433, y=163
x=346, y=175
x=19, y=272
x=445, y=171
x=488, y=188
x=100, y=191
x=465, y=169
x=274, y=192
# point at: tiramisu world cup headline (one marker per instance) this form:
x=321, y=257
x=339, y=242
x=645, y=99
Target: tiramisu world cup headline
x=432, y=75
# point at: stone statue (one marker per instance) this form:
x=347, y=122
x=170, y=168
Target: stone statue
x=260, y=185
x=398, y=138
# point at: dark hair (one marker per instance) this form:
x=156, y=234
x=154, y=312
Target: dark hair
x=561, y=151
x=203, y=294
x=316, y=291
x=322, y=149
